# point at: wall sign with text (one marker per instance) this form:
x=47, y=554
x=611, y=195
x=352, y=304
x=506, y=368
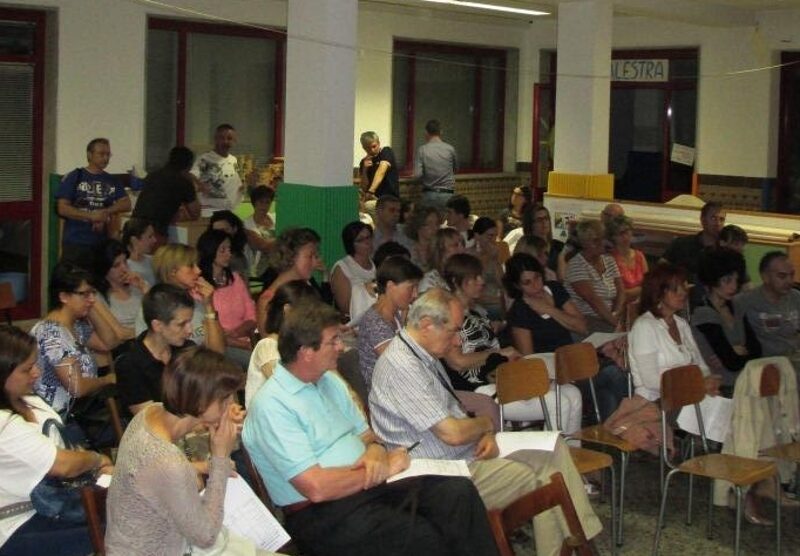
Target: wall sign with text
x=640, y=70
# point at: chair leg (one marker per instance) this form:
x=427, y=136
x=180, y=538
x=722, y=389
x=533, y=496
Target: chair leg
x=777, y=513
x=709, y=517
x=737, y=538
x=615, y=520
x=622, y=477
x=691, y=489
x=660, y=523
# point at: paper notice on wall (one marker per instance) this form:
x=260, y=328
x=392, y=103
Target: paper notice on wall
x=681, y=154
x=561, y=224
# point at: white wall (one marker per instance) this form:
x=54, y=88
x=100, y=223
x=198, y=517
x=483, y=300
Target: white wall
x=378, y=26
x=101, y=51
x=100, y=64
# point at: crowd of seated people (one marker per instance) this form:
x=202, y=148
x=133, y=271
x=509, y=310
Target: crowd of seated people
x=180, y=337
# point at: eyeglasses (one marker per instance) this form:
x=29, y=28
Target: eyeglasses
x=336, y=340
x=86, y=294
x=363, y=239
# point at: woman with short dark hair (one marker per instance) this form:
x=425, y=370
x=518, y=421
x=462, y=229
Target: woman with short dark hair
x=153, y=503
x=396, y=283
x=66, y=337
x=720, y=271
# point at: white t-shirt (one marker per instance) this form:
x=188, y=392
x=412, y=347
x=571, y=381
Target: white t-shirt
x=222, y=175
x=26, y=455
x=265, y=353
x=254, y=256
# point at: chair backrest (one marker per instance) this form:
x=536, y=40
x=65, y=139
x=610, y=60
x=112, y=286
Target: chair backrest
x=93, y=498
x=554, y=494
x=256, y=481
x=770, y=381
x=522, y=379
x=116, y=418
x=576, y=362
x=682, y=386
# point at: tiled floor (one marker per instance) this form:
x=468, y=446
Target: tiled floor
x=641, y=513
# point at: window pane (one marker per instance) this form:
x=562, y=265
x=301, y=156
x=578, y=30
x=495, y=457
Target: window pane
x=15, y=256
x=445, y=90
x=16, y=38
x=162, y=81
x=231, y=80
x=400, y=77
x=492, y=87
x=16, y=141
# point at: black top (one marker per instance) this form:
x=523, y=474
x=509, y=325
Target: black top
x=139, y=373
x=547, y=333
x=390, y=185
x=685, y=251
x=556, y=247
x=164, y=191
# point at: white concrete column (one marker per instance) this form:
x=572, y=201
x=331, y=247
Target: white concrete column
x=583, y=89
x=320, y=91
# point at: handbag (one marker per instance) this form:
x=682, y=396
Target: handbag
x=638, y=421
x=60, y=499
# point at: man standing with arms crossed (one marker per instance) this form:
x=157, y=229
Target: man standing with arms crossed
x=87, y=199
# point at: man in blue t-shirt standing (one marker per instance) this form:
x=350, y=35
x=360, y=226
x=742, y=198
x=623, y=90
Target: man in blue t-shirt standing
x=87, y=198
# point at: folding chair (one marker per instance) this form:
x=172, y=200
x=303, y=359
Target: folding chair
x=526, y=379
x=554, y=494
x=93, y=498
x=579, y=362
x=684, y=386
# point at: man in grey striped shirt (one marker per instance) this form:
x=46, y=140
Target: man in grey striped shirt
x=412, y=400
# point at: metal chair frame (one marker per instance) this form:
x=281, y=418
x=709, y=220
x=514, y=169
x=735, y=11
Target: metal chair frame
x=690, y=379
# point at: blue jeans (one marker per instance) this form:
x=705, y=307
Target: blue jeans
x=611, y=386
x=42, y=535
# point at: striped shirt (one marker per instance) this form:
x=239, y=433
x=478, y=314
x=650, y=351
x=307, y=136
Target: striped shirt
x=579, y=270
x=407, y=399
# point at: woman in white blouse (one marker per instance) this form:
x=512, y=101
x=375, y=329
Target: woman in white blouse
x=27, y=456
x=353, y=276
x=660, y=339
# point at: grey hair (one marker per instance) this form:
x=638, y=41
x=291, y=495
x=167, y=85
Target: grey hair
x=368, y=137
x=433, y=304
x=587, y=229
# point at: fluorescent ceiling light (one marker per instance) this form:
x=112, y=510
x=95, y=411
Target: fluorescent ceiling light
x=484, y=6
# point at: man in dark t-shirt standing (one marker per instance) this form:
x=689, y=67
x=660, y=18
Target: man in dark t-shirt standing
x=167, y=311
x=86, y=199
x=168, y=193
x=378, y=169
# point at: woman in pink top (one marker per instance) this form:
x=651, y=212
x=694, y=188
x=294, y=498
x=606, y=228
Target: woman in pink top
x=631, y=262
x=232, y=300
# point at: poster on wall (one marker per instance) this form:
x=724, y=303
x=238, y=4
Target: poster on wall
x=561, y=224
x=682, y=154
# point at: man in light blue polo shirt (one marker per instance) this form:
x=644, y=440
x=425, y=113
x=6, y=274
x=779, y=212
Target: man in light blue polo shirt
x=323, y=464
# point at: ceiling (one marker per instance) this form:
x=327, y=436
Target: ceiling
x=725, y=13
